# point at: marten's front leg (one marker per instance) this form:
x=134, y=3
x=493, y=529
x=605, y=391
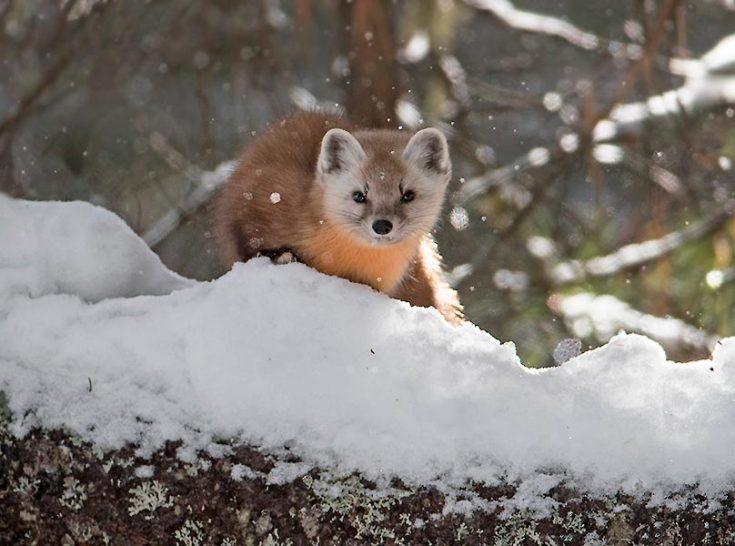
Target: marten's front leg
x=280, y=256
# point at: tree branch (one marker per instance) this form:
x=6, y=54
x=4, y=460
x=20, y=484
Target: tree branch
x=209, y=183
x=536, y=157
x=710, y=83
x=36, y=92
x=529, y=21
x=628, y=256
x=206, y=183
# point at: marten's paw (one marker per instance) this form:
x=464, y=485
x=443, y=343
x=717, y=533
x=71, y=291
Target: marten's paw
x=285, y=258
x=280, y=256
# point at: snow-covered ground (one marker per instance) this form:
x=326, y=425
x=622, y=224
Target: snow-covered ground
x=97, y=336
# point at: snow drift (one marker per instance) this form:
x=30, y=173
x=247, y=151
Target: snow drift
x=98, y=337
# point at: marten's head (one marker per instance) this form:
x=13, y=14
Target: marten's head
x=382, y=187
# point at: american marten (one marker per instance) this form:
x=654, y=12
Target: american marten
x=355, y=203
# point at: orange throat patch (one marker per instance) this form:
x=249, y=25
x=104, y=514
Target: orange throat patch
x=333, y=251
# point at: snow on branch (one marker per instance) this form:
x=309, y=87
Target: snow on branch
x=456, y=77
x=603, y=317
x=209, y=182
x=710, y=82
x=206, y=183
x=632, y=255
x=529, y=21
x=534, y=158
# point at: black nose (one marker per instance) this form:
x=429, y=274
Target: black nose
x=382, y=227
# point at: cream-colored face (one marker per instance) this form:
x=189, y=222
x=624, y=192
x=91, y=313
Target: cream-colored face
x=384, y=196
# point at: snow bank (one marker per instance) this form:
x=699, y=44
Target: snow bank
x=76, y=248
x=97, y=336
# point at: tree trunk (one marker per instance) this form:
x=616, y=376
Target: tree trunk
x=372, y=86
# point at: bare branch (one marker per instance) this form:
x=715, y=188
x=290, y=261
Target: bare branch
x=502, y=98
x=35, y=93
x=51, y=75
x=665, y=179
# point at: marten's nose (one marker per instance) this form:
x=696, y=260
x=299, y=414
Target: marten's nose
x=382, y=227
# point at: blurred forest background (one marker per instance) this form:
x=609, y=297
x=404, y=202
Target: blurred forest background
x=593, y=141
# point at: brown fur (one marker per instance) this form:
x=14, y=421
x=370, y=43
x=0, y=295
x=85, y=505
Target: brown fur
x=283, y=161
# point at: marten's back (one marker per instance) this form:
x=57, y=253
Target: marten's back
x=293, y=142
x=267, y=196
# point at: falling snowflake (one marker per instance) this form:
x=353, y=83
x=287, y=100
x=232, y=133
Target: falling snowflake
x=459, y=218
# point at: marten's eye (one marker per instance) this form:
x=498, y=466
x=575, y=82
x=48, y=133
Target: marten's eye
x=359, y=197
x=407, y=196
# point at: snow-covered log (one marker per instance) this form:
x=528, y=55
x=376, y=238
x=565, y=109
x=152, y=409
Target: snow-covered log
x=56, y=489
x=277, y=405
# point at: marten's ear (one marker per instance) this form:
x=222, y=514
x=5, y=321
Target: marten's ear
x=340, y=151
x=428, y=150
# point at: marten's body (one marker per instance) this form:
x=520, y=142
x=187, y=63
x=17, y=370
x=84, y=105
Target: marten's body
x=354, y=203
